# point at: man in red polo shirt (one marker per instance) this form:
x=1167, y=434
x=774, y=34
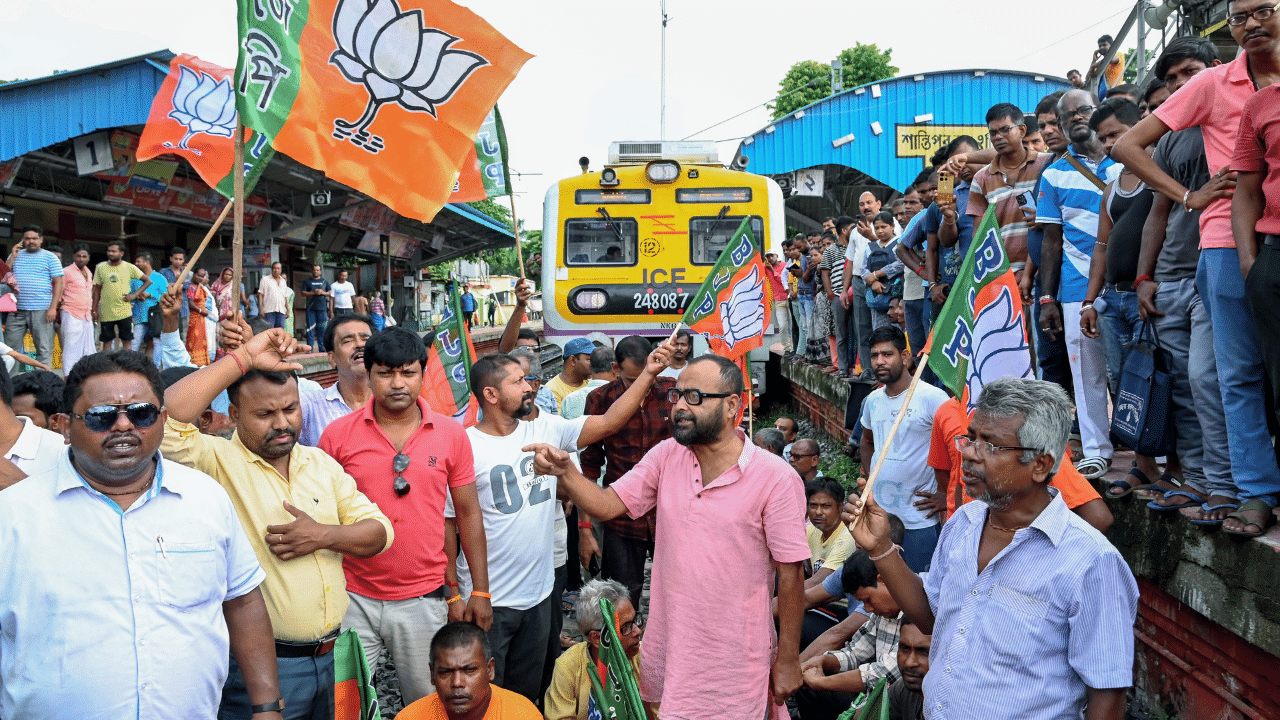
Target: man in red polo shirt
x=407, y=458
x=1255, y=220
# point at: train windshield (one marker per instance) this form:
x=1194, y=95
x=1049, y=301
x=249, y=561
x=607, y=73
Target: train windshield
x=709, y=235
x=601, y=242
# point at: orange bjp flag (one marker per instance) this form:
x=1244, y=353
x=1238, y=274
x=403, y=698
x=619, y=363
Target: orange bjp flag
x=385, y=96
x=193, y=116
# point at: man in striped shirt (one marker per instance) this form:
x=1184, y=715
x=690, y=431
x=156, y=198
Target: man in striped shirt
x=1008, y=182
x=39, y=276
x=1067, y=208
x=1030, y=608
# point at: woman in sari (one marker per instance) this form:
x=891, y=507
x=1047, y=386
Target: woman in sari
x=221, y=291
x=197, y=329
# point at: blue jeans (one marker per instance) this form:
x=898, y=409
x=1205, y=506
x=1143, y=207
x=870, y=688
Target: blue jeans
x=917, y=322
x=1240, y=372
x=918, y=545
x=306, y=685
x=1120, y=324
x=275, y=320
x=316, y=322
x=804, y=318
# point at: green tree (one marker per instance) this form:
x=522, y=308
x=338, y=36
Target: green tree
x=810, y=81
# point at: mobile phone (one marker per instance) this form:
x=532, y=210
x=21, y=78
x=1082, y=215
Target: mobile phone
x=946, y=186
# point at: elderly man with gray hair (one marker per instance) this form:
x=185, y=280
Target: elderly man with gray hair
x=569, y=696
x=1031, y=606
x=770, y=439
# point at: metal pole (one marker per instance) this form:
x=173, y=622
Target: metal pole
x=1141, y=49
x=662, y=112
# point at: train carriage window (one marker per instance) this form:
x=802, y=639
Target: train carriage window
x=709, y=235
x=594, y=242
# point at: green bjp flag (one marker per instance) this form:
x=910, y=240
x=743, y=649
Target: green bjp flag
x=614, y=690
x=732, y=307
x=353, y=693
x=980, y=335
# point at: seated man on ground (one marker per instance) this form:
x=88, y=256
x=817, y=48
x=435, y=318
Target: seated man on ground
x=462, y=668
x=829, y=540
x=821, y=631
x=834, y=679
x=770, y=439
x=804, y=459
x=570, y=693
x=906, y=697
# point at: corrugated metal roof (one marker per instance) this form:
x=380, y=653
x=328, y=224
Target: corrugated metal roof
x=38, y=113
x=479, y=218
x=953, y=98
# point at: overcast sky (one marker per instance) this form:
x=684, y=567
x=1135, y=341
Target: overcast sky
x=595, y=73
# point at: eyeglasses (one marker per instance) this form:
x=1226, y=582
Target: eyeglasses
x=1005, y=130
x=101, y=418
x=399, y=464
x=635, y=624
x=692, y=396
x=1083, y=111
x=1262, y=14
x=795, y=455
x=985, y=448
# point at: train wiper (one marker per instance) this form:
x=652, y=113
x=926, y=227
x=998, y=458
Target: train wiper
x=608, y=219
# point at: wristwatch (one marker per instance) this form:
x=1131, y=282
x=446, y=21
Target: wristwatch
x=275, y=706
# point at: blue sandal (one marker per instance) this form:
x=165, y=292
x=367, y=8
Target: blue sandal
x=1192, y=501
x=1127, y=487
x=1206, y=508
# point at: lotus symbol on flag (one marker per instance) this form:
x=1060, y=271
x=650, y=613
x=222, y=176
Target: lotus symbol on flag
x=398, y=60
x=742, y=314
x=203, y=104
x=1000, y=347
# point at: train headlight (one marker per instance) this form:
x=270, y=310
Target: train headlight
x=590, y=300
x=663, y=171
x=608, y=177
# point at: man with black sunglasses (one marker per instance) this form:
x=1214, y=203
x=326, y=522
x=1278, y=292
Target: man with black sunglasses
x=732, y=521
x=408, y=459
x=519, y=506
x=126, y=580
x=301, y=511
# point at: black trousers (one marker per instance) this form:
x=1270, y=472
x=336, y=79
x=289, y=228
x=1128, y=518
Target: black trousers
x=1262, y=290
x=519, y=642
x=820, y=704
x=622, y=559
x=557, y=623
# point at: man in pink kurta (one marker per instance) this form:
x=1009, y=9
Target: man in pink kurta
x=709, y=643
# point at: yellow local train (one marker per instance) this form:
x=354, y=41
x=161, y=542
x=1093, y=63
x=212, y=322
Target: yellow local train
x=626, y=248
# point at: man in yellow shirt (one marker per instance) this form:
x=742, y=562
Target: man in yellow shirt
x=111, y=296
x=829, y=539
x=576, y=372
x=569, y=696
x=462, y=668
x=302, y=513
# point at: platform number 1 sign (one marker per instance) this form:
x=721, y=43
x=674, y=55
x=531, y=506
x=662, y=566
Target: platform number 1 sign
x=93, y=153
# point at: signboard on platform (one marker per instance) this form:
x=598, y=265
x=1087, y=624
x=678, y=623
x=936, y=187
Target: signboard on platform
x=922, y=141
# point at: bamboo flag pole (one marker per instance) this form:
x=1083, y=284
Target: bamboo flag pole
x=204, y=243
x=237, y=237
x=893, y=431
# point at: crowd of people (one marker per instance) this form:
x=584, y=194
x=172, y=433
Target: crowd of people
x=189, y=529
x=1135, y=217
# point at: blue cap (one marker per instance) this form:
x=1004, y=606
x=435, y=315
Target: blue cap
x=578, y=346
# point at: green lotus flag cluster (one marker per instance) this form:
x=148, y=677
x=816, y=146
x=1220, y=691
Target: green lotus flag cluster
x=613, y=683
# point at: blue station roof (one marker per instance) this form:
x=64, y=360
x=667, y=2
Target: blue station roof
x=913, y=115
x=43, y=112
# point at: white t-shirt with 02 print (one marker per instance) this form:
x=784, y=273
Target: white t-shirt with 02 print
x=519, y=508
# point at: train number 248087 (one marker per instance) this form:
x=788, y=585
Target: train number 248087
x=661, y=300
